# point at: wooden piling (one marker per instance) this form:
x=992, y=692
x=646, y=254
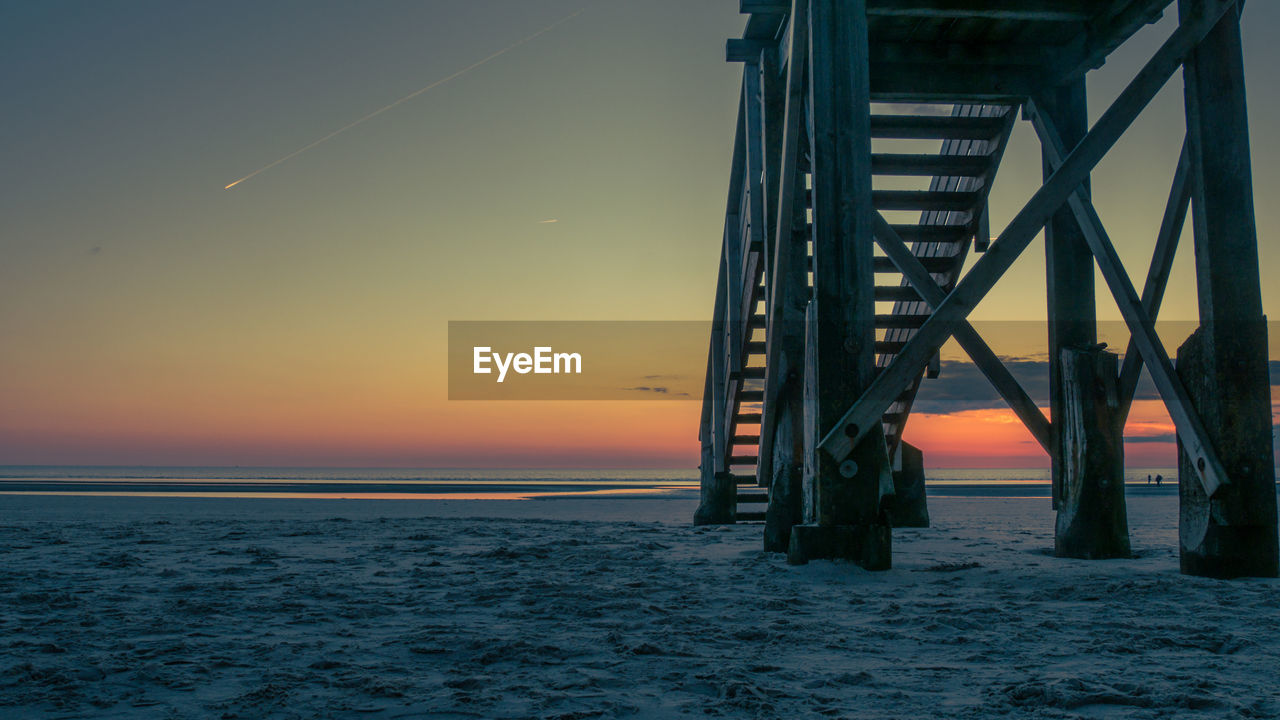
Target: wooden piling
x=907, y=507
x=843, y=514
x=1224, y=364
x=1069, y=275
x=1233, y=533
x=785, y=472
x=1092, y=522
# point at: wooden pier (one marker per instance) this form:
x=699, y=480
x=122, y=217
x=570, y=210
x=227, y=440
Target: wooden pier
x=830, y=309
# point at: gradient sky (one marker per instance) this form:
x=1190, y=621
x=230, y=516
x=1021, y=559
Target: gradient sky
x=150, y=317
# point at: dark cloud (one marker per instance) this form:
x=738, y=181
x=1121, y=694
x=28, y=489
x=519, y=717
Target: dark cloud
x=1161, y=438
x=660, y=390
x=962, y=386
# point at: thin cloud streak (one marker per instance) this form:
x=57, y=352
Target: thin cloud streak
x=411, y=96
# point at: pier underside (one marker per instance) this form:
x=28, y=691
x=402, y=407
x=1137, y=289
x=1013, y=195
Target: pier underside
x=870, y=134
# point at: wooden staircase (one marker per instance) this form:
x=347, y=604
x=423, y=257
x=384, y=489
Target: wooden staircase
x=952, y=215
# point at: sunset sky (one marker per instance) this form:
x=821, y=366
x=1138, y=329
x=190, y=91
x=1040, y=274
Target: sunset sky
x=149, y=316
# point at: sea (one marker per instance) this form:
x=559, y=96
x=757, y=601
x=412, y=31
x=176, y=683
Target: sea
x=474, y=484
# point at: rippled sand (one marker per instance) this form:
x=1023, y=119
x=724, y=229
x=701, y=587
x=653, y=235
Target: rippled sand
x=603, y=608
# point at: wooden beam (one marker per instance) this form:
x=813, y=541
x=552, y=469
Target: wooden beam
x=1021, y=230
x=968, y=338
x=1043, y=10
x=787, y=291
x=1175, y=214
x=733, y=245
x=1051, y=10
x=973, y=53
x=1108, y=29
x=927, y=82
x=1191, y=431
x=930, y=127
x=742, y=50
x=764, y=7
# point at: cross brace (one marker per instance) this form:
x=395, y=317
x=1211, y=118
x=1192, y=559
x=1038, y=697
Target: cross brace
x=1195, y=439
x=1061, y=185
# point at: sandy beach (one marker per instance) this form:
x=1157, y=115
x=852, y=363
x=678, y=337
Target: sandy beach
x=578, y=608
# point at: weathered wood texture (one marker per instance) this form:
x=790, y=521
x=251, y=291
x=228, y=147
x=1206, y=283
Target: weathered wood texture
x=1091, y=522
x=840, y=354
x=1233, y=533
x=786, y=470
x=1227, y=357
x=907, y=507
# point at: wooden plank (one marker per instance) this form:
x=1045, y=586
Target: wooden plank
x=1175, y=214
x=715, y=503
x=927, y=127
x=924, y=200
x=904, y=164
x=1038, y=10
x=975, y=53
x=1191, y=431
x=748, y=51
x=939, y=264
x=733, y=246
x=896, y=293
x=764, y=7
x=1044, y=10
x=1021, y=230
x=941, y=234
x=928, y=82
x=1109, y=29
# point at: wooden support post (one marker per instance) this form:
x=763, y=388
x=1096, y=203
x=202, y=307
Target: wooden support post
x=786, y=470
x=782, y=448
x=908, y=506
x=1092, y=522
x=788, y=267
x=1224, y=365
x=718, y=492
x=734, y=247
x=843, y=513
x=1069, y=275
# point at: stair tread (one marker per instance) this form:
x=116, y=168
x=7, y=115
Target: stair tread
x=929, y=127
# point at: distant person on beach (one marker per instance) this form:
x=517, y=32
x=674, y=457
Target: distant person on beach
x=1158, y=479
x=1148, y=478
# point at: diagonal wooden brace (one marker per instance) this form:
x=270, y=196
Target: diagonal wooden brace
x=840, y=439
x=968, y=338
x=1194, y=437
x=1175, y=216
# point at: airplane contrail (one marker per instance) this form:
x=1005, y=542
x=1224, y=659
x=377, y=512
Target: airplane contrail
x=411, y=96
